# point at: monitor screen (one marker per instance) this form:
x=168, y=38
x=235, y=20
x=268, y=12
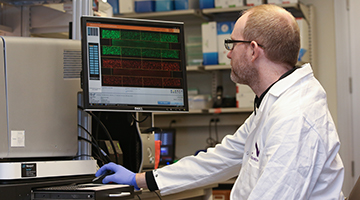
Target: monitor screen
x=133, y=65
x=167, y=147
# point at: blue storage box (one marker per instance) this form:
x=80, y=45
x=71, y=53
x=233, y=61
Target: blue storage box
x=115, y=5
x=186, y=4
x=181, y=4
x=210, y=58
x=144, y=6
x=164, y=5
x=206, y=4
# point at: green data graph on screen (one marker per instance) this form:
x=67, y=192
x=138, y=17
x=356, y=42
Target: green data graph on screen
x=141, y=58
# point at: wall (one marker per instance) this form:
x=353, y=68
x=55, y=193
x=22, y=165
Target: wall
x=324, y=42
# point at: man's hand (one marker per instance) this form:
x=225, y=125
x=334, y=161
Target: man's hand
x=121, y=175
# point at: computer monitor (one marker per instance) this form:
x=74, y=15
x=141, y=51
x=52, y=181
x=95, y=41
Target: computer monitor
x=133, y=65
x=167, y=147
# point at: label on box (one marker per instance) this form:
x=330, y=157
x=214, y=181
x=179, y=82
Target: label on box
x=28, y=170
x=224, y=30
x=17, y=138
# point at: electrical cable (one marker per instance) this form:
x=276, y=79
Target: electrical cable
x=172, y=122
x=93, y=139
x=138, y=197
x=105, y=130
x=101, y=152
x=210, y=141
x=107, y=133
x=139, y=121
x=95, y=156
x=157, y=195
x=216, y=130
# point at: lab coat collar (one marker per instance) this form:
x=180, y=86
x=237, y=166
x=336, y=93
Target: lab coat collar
x=284, y=84
x=277, y=89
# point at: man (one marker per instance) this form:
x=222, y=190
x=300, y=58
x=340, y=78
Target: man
x=287, y=148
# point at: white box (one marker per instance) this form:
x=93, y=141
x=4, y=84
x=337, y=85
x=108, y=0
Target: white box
x=244, y=96
x=126, y=6
x=254, y=2
x=236, y=3
x=290, y=1
x=201, y=101
x=224, y=30
x=304, y=40
x=274, y=1
x=221, y=3
x=209, y=43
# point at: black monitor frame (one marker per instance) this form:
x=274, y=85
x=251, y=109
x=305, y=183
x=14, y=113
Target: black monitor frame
x=159, y=107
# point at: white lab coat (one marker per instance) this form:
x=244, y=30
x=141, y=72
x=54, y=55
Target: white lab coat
x=288, y=150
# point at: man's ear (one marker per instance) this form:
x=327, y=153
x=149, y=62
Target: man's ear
x=256, y=50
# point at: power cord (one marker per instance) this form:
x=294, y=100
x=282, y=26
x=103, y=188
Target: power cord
x=211, y=142
x=157, y=195
x=216, y=130
x=94, y=142
x=172, y=122
x=139, y=121
x=105, y=130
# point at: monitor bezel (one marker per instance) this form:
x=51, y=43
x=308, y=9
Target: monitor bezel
x=130, y=108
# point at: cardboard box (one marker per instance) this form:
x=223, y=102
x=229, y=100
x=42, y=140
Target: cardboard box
x=274, y=1
x=244, y=96
x=126, y=6
x=209, y=43
x=224, y=30
x=290, y=1
x=221, y=4
x=236, y=3
x=254, y=2
x=221, y=194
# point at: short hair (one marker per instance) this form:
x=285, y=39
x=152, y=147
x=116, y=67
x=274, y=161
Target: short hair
x=269, y=26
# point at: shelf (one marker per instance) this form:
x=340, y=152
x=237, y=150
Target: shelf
x=196, y=16
x=210, y=111
x=216, y=67
x=6, y=29
x=32, y=2
x=201, y=68
x=230, y=110
x=191, y=16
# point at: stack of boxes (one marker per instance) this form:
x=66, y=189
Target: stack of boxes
x=244, y=96
x=140, y=6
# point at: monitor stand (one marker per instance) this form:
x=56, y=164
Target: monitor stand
x=46, y=169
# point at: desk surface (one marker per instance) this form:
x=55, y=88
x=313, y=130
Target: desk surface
x=204, y=193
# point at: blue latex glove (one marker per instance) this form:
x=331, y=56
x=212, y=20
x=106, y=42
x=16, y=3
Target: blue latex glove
x=121, y=175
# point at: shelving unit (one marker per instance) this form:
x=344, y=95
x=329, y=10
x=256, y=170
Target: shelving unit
x=191, y=18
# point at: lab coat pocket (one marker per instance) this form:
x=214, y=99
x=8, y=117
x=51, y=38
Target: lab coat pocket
x=250, y=173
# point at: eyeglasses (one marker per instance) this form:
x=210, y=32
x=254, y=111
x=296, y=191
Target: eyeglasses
x=229, y=44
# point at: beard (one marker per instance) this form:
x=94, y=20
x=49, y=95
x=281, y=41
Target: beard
x=242, y=71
